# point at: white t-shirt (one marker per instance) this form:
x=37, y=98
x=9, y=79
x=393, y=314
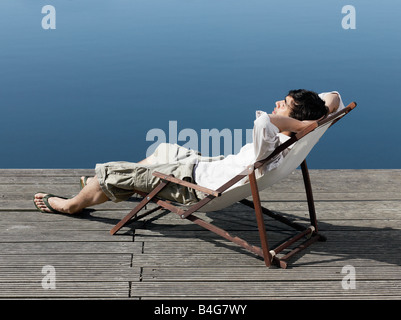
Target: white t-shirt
x=266, y=138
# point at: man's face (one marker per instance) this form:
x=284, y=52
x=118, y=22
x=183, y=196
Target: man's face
x=283, y=107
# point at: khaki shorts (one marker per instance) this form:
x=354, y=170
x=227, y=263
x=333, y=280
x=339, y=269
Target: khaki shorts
x=120, y=179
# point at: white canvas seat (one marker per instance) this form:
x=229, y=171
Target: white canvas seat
x=298, y=153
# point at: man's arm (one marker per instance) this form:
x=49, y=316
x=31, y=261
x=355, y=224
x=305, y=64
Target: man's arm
x=332, y=101
x=288, y=124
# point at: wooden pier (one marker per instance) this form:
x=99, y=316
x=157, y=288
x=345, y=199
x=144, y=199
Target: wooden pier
x=165, y=257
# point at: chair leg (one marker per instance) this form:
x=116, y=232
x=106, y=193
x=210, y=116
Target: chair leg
x=311, y=202
x=309, y=195
x=311, y=232
x=138, y=208
x=259, y=218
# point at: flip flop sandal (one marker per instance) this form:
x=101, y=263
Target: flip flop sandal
x=46, y=201
x=83, y=181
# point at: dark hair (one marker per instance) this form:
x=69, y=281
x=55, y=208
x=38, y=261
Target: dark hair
x=308, y=105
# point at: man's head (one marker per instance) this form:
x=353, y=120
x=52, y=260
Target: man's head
x=301, y=105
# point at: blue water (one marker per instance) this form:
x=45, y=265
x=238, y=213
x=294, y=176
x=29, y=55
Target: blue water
x=90, y=90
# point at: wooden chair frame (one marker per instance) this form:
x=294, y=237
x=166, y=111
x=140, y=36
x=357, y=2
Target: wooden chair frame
x=269, y=255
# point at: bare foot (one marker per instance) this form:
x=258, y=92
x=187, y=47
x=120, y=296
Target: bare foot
x=56, y=204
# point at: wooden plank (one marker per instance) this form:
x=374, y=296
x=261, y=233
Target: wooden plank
x=66, y=273
x=18, y=235
x=349, y=246
x=16, y=202
x=63, y=259
x=191, y=259
x=69, y=247
x=58, y=222
x=334, y=195
x=249, y=223
x=261, y=273
x=45, y=171
x=343, y=180
x=26, y=192
x=65, y=290
x=267, y=289
x=373, y=235
x=243, y=259
x=190, y=235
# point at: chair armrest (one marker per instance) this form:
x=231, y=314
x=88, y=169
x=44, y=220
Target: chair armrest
x=172, y=179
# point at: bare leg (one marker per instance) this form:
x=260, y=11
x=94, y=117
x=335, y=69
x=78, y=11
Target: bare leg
x=90, y=195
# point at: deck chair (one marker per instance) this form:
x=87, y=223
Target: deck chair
x=300, y=145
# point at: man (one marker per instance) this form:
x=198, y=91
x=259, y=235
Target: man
x=117, y=181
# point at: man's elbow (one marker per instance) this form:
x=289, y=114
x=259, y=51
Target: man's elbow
x=333, y=102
